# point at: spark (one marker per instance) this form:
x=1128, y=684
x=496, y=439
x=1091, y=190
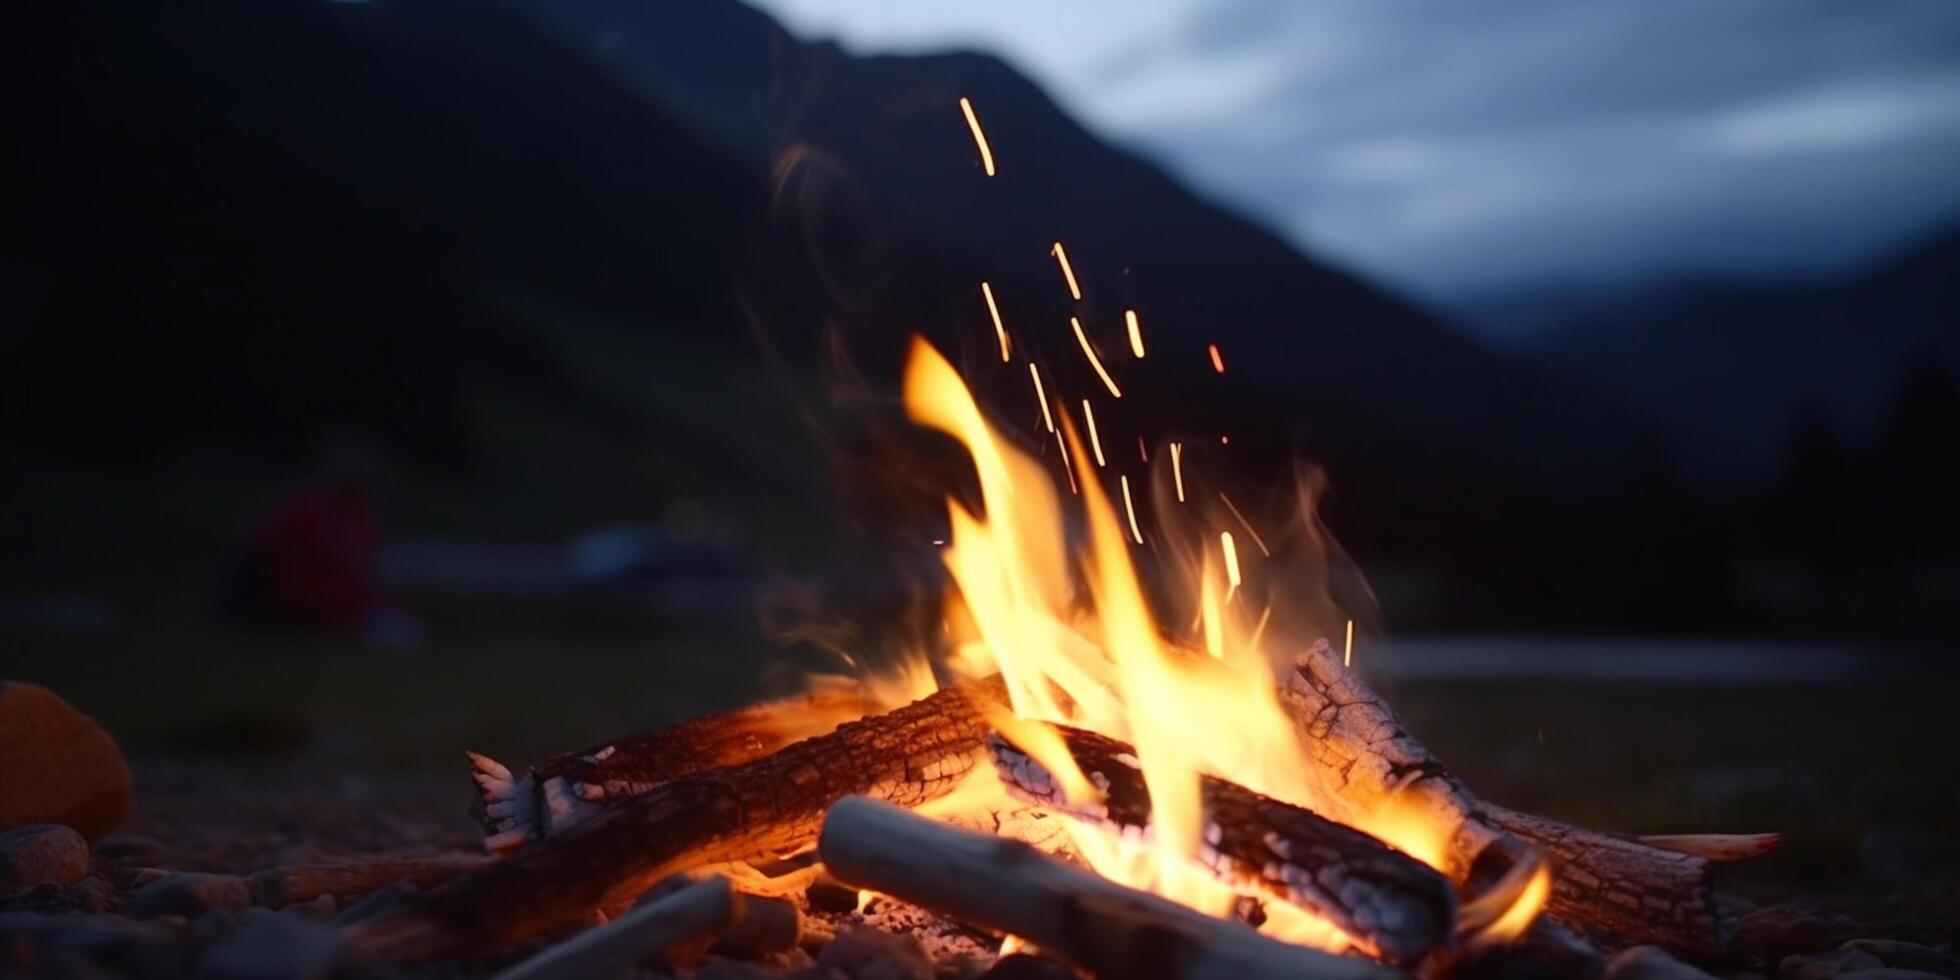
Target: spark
x=1217, y=359
x=1130, y=508
x=1177, y=468
x=1095, y=441
x=1067, y=467
x=1094, y=361
x=1136, y=332
x=979, y=138
x=999, y=330
x=1231, y=559
x=1041, y=395
x=1268, y=552
x=1061, y=255
x=1347, y=652
x=1143, y=450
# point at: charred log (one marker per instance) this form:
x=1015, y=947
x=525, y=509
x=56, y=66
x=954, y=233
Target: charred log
x=1070, y=912
x=1392, y=905
x=770, y=805
x=563, y=790
x=1603, y=885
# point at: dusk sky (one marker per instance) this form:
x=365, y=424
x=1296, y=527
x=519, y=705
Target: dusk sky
x=1469, y=150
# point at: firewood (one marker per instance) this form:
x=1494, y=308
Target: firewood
x=1603, y=885
x=770, y=805
x=1716, y=847
x=1100, y=926
x=1392, y=905
x=649, y=930
x=563, y=790
x=279, y=887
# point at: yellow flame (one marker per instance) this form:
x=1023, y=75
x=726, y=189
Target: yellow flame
x=1136, y=333
x=1061, y=256
x=979, y=138
x=1217, y=359
x=1000, y=331
x=1520, y=915
x=1041, y=395
x=1094, y=361
x=1088, y=650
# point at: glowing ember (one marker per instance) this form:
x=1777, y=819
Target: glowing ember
x=1130, y=509
x=1041, y=395
x=1136, y=333
x=1177, y=468
x=1231, y=558
x=1217, y=359
x=1347, y=649
x=1061, y=256
x=979, y=138
x=1089, y=422
x=1089, y=351
x=994, y=311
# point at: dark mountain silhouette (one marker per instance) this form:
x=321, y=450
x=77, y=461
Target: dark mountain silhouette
x=1729, y=370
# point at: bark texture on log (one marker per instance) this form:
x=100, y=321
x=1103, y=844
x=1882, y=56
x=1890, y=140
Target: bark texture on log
x=278, y=887
x=766, y=806
x=1603, y=885
x=1392, y=905
x=562, y=790
x=1070, y=912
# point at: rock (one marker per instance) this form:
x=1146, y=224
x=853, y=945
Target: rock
x=873, y=954
x=272, y=946
x=827, y=894
x=136, y=849
x=189, y=895
x=383, y=900
x=106, y=940
x=1770, y=934
x=42, y=854
x=93, y=894
x=765, y=925
x=321, y=909
x=1908, y=956
x=1824, y=966
x=1650, y=963
x=717, y=968
x=1025, y=966
x=57, y=765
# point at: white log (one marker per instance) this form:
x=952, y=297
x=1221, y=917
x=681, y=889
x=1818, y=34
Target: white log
x=1073, y=913
x=656, y=927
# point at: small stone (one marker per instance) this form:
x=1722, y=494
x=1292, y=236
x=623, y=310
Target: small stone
x=1770, y=934
x=320, y=909
x=765, y=925
x=1025, y=966
x=43, y=854
x=1908, y=956
x=382, y=900
x=873, y=954
x=1650, y=963
x=137, y=849
x=827, y=894
x=1824, y=966
x=93, y=894
x=57, y=765
x=272, y=946
x=719, y=968
x=189, y=895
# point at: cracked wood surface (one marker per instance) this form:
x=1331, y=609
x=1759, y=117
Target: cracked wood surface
x=1604, y=885
x=1390, y=904
x=769, y=805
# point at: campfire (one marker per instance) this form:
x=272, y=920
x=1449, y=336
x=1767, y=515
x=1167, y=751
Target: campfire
x=1140, y=747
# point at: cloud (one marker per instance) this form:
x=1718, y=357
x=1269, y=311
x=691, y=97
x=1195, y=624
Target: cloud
x=1466, y=148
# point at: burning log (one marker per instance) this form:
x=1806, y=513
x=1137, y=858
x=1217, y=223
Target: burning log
x=561, y=791
x=1605, y=885
x=769, y=805
x=279, y=887
x=1098, y=925
x=1392, y=905
x=649, y=930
